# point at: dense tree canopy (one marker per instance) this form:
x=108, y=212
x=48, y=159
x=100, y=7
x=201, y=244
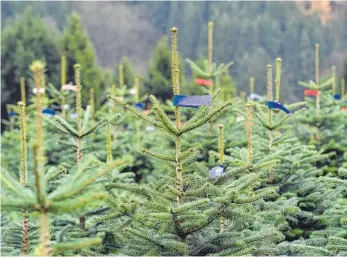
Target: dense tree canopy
x=23, y=41
x=79, y=49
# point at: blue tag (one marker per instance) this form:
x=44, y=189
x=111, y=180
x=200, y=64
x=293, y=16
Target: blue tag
x=337, y=96
x=277, y=105
x=217, y=171
x=140, y=106
x=12, y=114
x=192, y=100
x=48, y=111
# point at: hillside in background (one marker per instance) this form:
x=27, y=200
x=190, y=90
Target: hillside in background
x=252, y=34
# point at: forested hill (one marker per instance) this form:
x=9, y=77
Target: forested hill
x=252, y=34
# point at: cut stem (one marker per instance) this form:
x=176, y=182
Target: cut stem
x=221, y=161
x=78, y=111
x=23, y=179
x=249, y=132
x=269, y=95
x=108, y=143
x=137, y=99
x=278, y=85
x=251, y=85
x=92, y=103
x=333, y=70
x=22, y=90
x=45, y=238
x=176, y=90
x=63, y=82
x=317, y=87
x=221, y=143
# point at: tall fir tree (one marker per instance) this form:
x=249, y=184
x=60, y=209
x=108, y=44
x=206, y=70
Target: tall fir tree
x=23, y=41
x=78, y=48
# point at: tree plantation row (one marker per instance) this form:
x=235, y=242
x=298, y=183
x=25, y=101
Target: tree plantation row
x=204, y=173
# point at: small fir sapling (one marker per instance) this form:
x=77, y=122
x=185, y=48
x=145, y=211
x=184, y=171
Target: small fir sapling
x=46, y=200
x=177, y=227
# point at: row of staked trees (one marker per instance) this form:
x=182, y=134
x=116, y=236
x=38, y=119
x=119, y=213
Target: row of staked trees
x=234, y=177
x=27, y=37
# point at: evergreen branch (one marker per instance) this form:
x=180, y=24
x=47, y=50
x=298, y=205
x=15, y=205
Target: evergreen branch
x=86, y=118
x=56, y=125
x=284, y=118
x=76, y=245
x=197, y=191
x=261, y=165
x=237, y=252
x=231, y=172
x=95, y=127
x=264, y=193
x=76, y=203
x=17, y=187
x=53, y=173
x=10, y=203
x=77, y=189
x=190, y=205
x=137, y=113
x=110, y=216
x=159, y=111
x=189, y=153
x=264, y=120
x=316, y=158
x=66, y=125
x=244, y=181
x=334, y=180
x=200, y=113
x=136, y=189
x=221, y=69
x=205, y=119
x=69, y=144
x=308, y=85
x=326, y=83
x=163, y=157
x=53, y=90
x=296, y=105
x=304, y=248
x=197, y=69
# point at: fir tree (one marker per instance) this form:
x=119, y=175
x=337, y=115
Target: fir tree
x=78, y=48
x=18, y=51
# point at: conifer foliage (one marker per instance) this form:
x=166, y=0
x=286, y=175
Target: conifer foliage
x=212, y=174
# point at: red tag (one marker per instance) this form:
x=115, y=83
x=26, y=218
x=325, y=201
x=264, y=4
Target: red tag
x=203, y=82
x=311, y=92
x=344, y=109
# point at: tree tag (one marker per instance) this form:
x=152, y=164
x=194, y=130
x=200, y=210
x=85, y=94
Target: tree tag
x=48, y=112
x=277, y=105
x=42, y=90
x=311, y=92
x=69, y=87
x=204, y=82
x=140, y=106
x=192, y=100
x=217, y=171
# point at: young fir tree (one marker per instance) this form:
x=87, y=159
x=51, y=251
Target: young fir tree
x=325, y=120
x=18, y=51
x=78, y=48
x=210, y=69
x=302, y=194
x=166, y=220
x=52, y=192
